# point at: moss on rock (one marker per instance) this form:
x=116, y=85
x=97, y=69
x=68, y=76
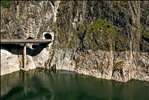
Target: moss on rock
x=118, y=65
x=146, y=34
x=5, y=4
x=100, y=34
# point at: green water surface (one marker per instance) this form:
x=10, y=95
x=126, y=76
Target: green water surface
x=63, y=85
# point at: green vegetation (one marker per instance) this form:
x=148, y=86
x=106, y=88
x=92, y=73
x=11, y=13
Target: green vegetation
x=103, y=31
x=146, y=35
x=66, y=27
x=75, y=34
x=72, y=41
x=123, y=2
x=81, y=25
x=5, y=3
x=63, y=35
x=60, y=36
x=119, y=65
x=144, y=44
x=100, y=34
x=121, y=40
x=99, y=25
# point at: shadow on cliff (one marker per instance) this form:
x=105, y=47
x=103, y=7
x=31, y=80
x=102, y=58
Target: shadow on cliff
x=18, y=49
x=32, y=48
x=37, y=50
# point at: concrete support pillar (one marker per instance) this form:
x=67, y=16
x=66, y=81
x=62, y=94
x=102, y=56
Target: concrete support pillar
x=24, y=57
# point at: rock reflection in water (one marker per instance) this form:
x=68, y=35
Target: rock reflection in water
x=63, y=85
x=24, y=86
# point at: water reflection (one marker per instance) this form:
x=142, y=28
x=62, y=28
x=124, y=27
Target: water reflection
x=63, y=85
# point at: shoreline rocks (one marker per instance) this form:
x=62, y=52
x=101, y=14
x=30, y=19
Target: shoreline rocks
x=93, y=63
x=110, y=42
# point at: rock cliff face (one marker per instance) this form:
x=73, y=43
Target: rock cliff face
x=105, y=39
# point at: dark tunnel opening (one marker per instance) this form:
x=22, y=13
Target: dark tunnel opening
x=47, y=36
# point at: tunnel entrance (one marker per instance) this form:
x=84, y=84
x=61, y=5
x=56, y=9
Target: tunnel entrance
x=47, y=36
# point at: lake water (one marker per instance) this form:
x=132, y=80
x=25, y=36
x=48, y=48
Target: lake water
x=63, y=85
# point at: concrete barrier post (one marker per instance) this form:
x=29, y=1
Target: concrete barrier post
x=24, y=57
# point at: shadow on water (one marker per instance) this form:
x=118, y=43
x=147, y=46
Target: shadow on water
x=64, y=85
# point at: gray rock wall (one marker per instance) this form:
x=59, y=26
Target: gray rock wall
x=98, y=38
